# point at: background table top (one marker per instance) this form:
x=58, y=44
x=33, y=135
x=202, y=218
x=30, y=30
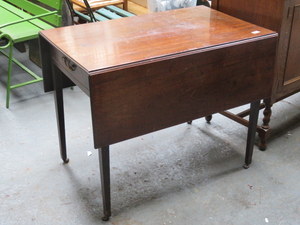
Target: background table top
x=96, y=4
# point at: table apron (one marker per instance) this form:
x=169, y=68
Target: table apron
x=73, y=71
x=134, y=101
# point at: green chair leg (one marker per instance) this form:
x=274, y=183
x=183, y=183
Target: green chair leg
x=10, y=60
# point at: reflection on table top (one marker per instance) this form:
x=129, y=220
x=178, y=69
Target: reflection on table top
x=102, y=45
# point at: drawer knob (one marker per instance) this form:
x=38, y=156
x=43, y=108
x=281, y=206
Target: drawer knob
x=72, y=66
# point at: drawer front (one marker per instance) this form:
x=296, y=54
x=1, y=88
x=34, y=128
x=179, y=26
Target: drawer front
x=73, y=71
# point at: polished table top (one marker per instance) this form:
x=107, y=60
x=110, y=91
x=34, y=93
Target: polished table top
x=122, y=42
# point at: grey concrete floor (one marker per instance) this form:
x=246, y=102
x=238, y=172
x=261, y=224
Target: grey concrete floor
x=183, y=175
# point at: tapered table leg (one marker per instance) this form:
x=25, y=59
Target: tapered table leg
x=254, y=109
x=59, y=107
x=105, y=181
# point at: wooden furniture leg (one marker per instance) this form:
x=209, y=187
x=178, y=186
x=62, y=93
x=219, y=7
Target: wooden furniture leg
x=59, y=107
x=105, y=181
x=254, y=109
x=263, y=135
x=263, y=130
x=125, y=5
x=208, y=118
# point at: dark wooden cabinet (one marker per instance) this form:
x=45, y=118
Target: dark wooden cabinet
x=288, y=65
x=282, y=16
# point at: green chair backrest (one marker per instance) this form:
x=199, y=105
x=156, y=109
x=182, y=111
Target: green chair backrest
x=36, y=7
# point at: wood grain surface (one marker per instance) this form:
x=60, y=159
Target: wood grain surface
x=137, y=100
x=263, y=13
x=114, y=43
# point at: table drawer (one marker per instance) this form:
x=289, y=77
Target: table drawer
x=71, y=69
